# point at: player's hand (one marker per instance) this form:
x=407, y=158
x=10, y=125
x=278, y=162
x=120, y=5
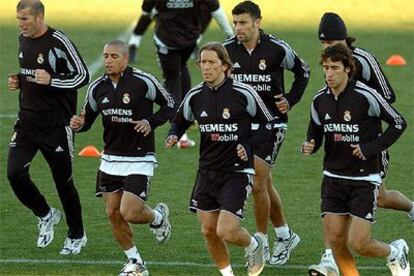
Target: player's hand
x=76, y=122
x=141, y=126
x=308, y=147
x=357, y=151
x=13, y=82
x=42, y=77
x=281, y=104
x=242, y=153
x=170, y=141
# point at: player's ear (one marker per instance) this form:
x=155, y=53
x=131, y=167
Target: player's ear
x=258, y=22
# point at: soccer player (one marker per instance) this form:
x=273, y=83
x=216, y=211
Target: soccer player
x=260, y=60
x=205, y=19
x=178, y=26
x=347, y=114
x=224, y=110
x=332, y=30
x=125, y=97
x=51, y=70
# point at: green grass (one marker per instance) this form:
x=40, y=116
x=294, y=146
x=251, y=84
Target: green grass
x=297, y=179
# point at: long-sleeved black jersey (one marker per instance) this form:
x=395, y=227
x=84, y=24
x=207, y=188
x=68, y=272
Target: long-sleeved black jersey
x=370, y=72
x=178, y=23
x=224, y=115
x=53, y=104
x=131, y=99
x=263, y=68
x=353, y=118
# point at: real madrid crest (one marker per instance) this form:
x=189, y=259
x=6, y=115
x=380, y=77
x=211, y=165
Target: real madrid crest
x=226, y=113
x=347, y=116
x=262, y=65
x=40, y=59
x=125, y=98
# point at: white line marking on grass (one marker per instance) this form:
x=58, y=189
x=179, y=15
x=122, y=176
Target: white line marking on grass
x=8, y=115
x=187, y=264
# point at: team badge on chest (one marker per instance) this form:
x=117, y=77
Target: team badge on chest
x=125, y=98
x=347, y=116
x=262, y=65
x=226, y=113
x=40, y=59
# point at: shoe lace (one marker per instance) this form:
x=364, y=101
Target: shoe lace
x=68, y=243
x=252, y=258
x=281, y=246
x=44, y=224
x=326, y=257
x=76, y=242
x=131, y=265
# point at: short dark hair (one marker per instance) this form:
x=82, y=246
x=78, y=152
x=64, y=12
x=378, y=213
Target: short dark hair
x=221, y=51
x=339, y=52
x=36, y=6
x=248, y=7
x=120, y=44
x=349, y=40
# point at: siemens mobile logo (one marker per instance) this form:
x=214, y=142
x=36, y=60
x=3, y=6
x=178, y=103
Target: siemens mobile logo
x=118, y=115
x=117, y=111
x=346, y=128
x=218, y=127
x=252, y=77
x=350, y=138
x=259, y=82
x=25, y=71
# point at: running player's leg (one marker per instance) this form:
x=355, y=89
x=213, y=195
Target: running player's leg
x=392, y=199
x=22, y=149
x=58, y=152
x=215, y=245
x=121, y=230
x=336, y=227
x=261, y=200
x=185, y=74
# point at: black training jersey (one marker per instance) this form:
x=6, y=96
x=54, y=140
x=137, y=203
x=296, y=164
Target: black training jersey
x=178, y=23
x=370, y=72
x=53, y=104
x=224, y=115
x=131, y=99
x=353, y=118
x=263, y=68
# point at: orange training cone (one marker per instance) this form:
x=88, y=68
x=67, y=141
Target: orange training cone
x=89, y=151
x=396, y=60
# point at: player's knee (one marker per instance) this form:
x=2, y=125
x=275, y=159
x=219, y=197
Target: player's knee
x=259, y=185
x=15, y=176
x=208, y=231
x=132, y=215
x=335, y=238
x=226, y=233
x=113, y=214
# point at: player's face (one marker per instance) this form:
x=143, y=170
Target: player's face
x=29, y=24
x=336, y=75
x=245, y=26
x=329, y=43
x=212, y=68
x=115, y=59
